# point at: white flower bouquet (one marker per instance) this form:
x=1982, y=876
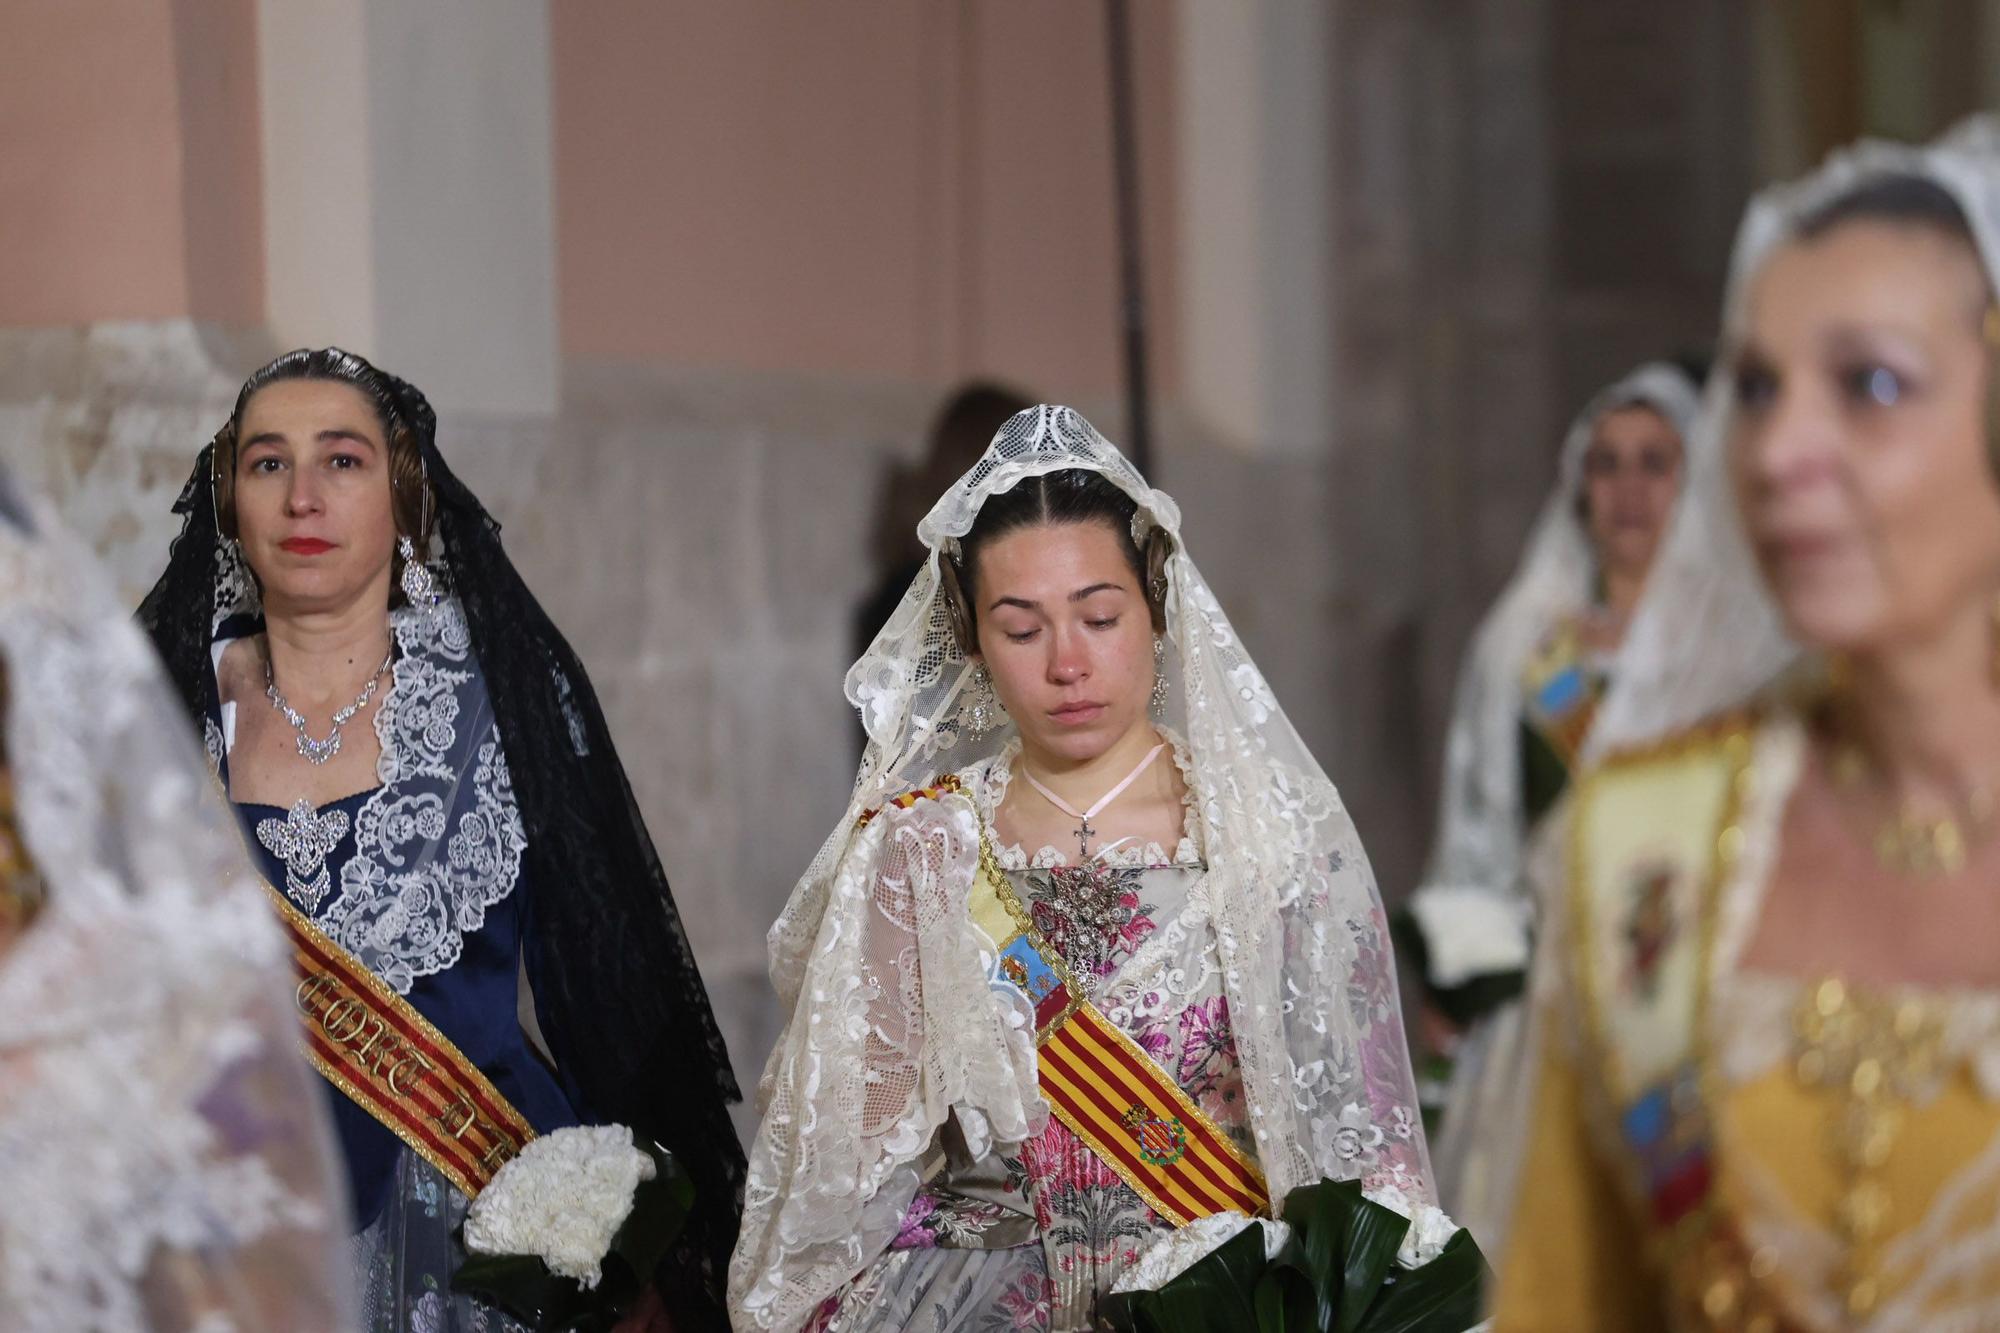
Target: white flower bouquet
x=566, y=1235
x=1341, y=1258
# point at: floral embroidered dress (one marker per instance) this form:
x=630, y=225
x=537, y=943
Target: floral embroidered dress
x=420, y=878
x=1030, y=1241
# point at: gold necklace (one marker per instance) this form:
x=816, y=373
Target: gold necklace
x=1909, y=841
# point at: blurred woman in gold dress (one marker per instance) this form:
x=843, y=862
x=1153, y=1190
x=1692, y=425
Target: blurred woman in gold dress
x=1767, y=997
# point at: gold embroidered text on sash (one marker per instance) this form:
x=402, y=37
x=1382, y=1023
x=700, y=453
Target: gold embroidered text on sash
x=394, y=1064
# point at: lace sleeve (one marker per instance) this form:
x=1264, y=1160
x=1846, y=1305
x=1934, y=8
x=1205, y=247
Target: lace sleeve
x=1308, y=965
x=896, y=1029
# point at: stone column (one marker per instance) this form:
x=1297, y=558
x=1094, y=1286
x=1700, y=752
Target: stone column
x=1531, y=196
x=1442, y=365
x=408, y=191
x=1256, y=108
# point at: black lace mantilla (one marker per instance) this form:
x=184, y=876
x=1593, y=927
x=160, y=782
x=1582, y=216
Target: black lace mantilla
x=618, y=994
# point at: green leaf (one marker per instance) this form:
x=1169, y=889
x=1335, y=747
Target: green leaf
x=1214, y=1294
x=523, y=1286
x=1285, y=1300
x=1348, y=1246
x=1120, y=1310
x=660, y=1208
x=1444, y=1296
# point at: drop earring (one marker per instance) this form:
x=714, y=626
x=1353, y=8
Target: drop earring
x=983, y=712
x=419, y=587
x=1159, y=678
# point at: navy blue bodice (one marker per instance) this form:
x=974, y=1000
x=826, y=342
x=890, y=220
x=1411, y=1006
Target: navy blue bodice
x=474, y=1002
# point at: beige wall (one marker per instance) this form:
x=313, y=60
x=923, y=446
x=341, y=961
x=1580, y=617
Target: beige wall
x=128, y=162
x=891, y=189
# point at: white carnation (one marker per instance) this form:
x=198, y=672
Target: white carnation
x=562, y=1200
x=1178, y=1251
x=1470, y=932
x=1431, y=1229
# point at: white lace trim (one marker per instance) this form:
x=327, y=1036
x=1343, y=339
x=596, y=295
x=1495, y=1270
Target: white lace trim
x=1130, y=856
x=1753, y=1021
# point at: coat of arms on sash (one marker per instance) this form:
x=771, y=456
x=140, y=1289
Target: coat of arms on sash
x=1162, y=1140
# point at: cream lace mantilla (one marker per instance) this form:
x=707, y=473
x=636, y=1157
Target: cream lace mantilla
x=893, y=1024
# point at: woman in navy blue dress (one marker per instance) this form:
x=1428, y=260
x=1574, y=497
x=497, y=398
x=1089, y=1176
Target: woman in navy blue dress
x=422, y=771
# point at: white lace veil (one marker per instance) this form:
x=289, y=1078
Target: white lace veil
x=1707, y=634
x=1479, y=839
x=1302, y=936
x=165, y=1151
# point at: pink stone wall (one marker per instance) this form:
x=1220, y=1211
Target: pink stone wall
x=129, y=162
x=897, y=189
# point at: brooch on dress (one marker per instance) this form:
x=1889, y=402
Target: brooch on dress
x=303, y=839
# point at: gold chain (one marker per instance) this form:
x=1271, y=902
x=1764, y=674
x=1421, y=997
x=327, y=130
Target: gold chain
x=1912, y=842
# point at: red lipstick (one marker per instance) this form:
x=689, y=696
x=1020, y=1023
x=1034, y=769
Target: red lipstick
x=306, y=545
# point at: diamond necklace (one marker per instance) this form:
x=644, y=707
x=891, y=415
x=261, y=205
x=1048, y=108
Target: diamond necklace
x=318, y=752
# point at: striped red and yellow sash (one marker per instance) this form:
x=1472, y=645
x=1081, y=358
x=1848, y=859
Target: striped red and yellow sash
x=1104, y=1088
x=1123, y=1106
x=394, y=1064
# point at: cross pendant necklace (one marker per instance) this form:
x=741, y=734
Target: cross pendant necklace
x=1085, y=830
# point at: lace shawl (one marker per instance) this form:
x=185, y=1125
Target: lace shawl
x=893, y=1027
x=166, y=1157
x=441, y=839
